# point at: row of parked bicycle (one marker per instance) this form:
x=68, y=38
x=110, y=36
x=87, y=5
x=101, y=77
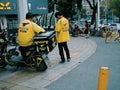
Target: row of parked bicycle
x=108, y=31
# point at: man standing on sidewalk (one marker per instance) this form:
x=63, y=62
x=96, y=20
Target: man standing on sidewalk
x=62, y=29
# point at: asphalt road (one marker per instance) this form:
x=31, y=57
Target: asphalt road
x=79, y=74
x=30, y=79
x=85, y=76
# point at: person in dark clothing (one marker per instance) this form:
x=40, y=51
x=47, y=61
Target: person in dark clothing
x=76, y=31
x=87, y=29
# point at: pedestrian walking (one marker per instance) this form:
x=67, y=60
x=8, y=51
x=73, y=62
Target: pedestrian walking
x=87, y=29
x=26, y=32
x=62, y=36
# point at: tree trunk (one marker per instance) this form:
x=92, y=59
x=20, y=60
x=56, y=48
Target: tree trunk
x=94, y=16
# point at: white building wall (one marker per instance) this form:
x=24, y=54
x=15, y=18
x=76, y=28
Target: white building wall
x=22, y=9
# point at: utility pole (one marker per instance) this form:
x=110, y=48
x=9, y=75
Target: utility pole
x=55, y=1
x=98, y=16
x=22, y=9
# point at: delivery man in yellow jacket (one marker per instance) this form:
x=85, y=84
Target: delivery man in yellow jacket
x=62, y=36
x=26, y=32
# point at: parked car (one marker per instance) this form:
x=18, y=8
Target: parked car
x=114, y=26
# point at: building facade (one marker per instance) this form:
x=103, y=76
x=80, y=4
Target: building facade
x=11, y=11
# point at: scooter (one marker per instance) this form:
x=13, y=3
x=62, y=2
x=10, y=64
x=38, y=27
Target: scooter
x=36, y=54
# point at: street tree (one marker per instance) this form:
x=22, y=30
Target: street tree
x=93, y=6
x=79, y=4
x=114, y=7
x=68, y=7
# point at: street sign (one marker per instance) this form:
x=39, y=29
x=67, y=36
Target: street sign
x=34, y=6
x=38, y=6
x=8, y=7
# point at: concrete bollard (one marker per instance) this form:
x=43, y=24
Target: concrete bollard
x=103, y=78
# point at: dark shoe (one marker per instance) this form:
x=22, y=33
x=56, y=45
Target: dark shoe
x=68, y=60
x=62, y=62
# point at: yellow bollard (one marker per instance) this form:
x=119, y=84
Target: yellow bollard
x=103, y=78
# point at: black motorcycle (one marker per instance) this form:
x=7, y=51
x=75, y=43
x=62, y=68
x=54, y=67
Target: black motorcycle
x=36, y=54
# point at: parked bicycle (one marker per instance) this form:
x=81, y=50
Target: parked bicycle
x=115, y=34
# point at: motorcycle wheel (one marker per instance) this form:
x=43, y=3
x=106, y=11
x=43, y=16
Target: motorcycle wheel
x=42, y=66
x=118, y=39
x=2, y=63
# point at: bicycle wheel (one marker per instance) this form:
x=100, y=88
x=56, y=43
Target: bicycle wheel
x=108, y=39
x=118, y=39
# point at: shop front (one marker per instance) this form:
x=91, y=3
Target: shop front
x=9, y=12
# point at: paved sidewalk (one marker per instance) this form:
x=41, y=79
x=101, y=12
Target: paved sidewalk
x=80, y=50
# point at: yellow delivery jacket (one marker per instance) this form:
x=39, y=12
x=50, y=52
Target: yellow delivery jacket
x=26, y=32
x=62, y=29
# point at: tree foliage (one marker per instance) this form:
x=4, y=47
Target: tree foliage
x=50, y=5
x=114, y=6
x=66, y=7
x=79, y=4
